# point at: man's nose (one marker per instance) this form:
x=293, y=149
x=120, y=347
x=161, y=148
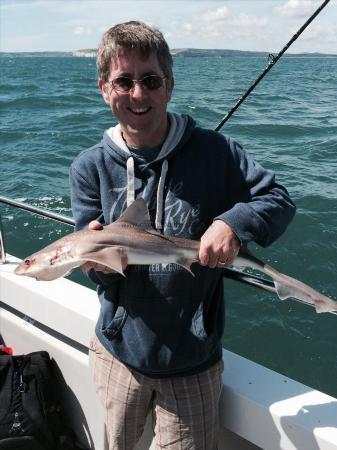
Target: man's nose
x=138, y=89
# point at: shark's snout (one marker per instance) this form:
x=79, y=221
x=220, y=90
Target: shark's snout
x=25, y=266
x=20, y=269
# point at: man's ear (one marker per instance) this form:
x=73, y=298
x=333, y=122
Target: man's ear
x=104, y=88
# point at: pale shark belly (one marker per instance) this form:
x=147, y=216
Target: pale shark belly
x=144, y=258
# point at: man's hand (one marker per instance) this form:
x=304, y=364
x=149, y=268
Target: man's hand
x=219, y=244
x=94, y=225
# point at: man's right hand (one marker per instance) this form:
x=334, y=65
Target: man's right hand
x=94, y=225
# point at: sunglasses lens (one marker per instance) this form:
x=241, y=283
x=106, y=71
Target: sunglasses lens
x=123, y=84
x=152, y=82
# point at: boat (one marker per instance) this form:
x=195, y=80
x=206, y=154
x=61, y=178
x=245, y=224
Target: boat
x=259, y=408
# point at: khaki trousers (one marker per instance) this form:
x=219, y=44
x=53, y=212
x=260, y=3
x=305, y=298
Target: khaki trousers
x=185, y=409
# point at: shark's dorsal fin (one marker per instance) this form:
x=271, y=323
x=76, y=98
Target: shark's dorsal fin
x=137, y=214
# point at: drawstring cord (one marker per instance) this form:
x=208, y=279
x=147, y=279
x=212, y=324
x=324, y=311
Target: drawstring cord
x=160, y=196
x=130, y=194
x=130, y=170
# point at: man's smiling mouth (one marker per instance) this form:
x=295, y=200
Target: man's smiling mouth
x=139, y=111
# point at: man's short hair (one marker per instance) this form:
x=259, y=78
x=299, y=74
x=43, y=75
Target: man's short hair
x=136, y=36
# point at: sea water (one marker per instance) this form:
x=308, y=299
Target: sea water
x=51, y=109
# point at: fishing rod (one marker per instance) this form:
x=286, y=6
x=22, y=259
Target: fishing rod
x=272, y=60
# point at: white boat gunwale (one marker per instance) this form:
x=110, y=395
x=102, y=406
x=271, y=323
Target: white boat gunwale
x=259, y=407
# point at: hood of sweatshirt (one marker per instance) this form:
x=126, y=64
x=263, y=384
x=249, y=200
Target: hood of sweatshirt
x=181, y=128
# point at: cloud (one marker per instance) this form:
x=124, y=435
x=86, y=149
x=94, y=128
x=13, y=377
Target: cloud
x=295, y=8
x=318, y=33
x=218, y=15
x=247, y=25
x=82, y=31
x=209, y=23
x=220, y=22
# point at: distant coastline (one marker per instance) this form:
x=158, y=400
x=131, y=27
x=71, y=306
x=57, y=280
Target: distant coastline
x=177, y=52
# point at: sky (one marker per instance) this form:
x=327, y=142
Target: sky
x=259, y=25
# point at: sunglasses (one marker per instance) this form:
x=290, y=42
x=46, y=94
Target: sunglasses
x=149, y=83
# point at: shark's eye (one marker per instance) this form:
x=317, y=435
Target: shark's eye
x=28, y=262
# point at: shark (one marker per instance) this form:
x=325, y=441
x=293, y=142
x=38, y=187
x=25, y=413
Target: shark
x=133, y=235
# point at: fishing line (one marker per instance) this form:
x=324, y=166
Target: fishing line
x=272, y=60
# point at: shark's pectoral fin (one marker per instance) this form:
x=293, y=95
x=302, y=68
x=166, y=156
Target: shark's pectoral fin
x=186, y=264
x=107, y=256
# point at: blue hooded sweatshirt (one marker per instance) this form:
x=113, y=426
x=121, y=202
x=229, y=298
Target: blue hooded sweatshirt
x=159, y=320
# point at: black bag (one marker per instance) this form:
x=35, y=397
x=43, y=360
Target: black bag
x=30, y=412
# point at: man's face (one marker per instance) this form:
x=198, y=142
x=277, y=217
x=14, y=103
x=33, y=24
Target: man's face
x=140, y=112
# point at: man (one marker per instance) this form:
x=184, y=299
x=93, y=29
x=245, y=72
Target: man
x=158, y=336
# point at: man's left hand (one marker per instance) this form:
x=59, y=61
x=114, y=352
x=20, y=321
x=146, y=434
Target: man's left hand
x=219, y=244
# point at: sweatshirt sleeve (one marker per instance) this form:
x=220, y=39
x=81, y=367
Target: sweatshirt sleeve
x=86, y=206
x=262, y=208
x=85, y=201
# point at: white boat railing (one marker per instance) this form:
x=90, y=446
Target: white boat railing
x=2, y=245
